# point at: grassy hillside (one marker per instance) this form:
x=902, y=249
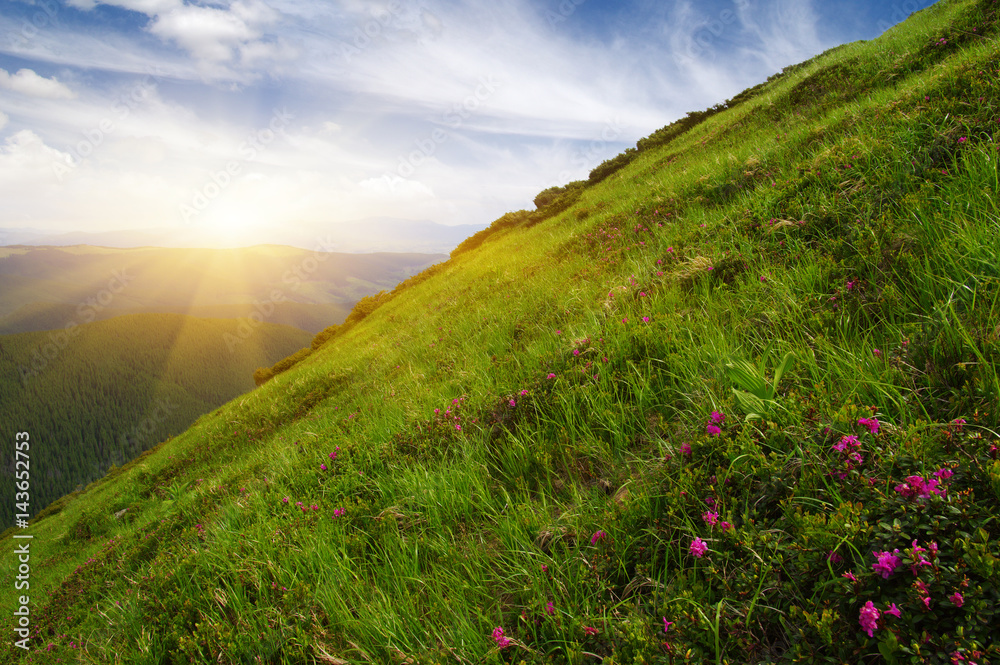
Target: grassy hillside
x=43, y=288
x=734, y=399
x=105, y=392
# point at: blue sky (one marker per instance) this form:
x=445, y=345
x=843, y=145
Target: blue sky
x=230, y=116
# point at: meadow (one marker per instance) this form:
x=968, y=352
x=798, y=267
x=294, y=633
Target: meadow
x=731, y=400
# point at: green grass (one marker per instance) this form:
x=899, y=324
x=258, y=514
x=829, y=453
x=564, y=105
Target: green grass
x=529, y=424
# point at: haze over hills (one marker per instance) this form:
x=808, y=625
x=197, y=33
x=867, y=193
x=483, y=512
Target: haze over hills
x=732, y=399
x=373, y=234
x=44, y=288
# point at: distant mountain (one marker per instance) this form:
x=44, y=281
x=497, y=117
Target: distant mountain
x=101, y=393
x=44, y=288
x=373, y=234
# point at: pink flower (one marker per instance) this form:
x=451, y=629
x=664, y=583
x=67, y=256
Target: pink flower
x=886, y=564
x=957, y=599
x=588, y=630
x=670, y=249
x=285, y=500
x=710, y=518
x=512, y=403
x=323, y=467
x=725, y=526
x=667, y=624
x=893, y=610
x=502, y=641
x=337, y=512
x=524, y=393
x=698, y=548
x=550, y=609
x=713, y=430
x=849, y=575
x=551, y=375
x=943, y=474
x=869, y=618
x=846, y=442
x=576, y=352
x=645, y=319
x=871, y=423
x=834, y=558
x=718, y=418
x=877, y=353
x=598, y=535
x=686, y=449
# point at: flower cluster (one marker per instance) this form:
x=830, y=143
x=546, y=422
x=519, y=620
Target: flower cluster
x=502, y=641
x=886, y=563
x=851, y=458
x=713, y=428
x=698, y=548
x=918, y=487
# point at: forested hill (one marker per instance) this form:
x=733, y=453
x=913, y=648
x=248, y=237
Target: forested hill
x=106, y=391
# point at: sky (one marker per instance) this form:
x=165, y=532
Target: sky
x=240, y=118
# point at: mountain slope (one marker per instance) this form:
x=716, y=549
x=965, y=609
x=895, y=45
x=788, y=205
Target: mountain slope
x=107, y=391
x=733, y=399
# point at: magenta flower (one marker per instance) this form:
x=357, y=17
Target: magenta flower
x=498, y=636
x=710, y=518
x=686, y=449
x=846, y=442
x=886, y=564
x=337, y=512
x=590, y=630
x=893, y=610
x=849, y=575
x=718, y=417
x=322, y=467
x=645, y=319
x=869, y=618
x=550, y=609
x=834, y=558
x=713, y=430
x=698, y=548
x=551, y=375
x=943, y=474
x=524, y=393
x=957, y=599
x=285, y=500
x=871, y=423
x=513, y=403
x=725, y=526
x=667, y=624
x=598, y=535
x=918, y=487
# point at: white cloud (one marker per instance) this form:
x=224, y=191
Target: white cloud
x=3, y=119
x=27, y=82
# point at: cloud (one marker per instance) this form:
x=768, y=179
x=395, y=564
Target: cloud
x=3, y=120
x=27, y=82
x=221, y=40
